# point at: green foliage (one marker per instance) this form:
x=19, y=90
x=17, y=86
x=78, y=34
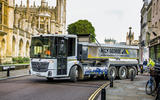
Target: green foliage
x=82, y=27
x=20, y=60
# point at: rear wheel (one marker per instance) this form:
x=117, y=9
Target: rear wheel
x=122, y=72
x=112, y=72
x=130, y=70
x=74, y=74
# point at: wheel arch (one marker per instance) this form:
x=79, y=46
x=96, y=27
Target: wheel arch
x=80, y=70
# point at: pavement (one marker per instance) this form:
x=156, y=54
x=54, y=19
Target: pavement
x=128, y=90
x=14, y=73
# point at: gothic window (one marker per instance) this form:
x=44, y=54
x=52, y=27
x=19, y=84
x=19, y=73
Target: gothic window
x=21, y=48
x=27, y=49
x=41, y=26
x=47, y=27
x=13, y=46
x=5, y=15
x=3, y=52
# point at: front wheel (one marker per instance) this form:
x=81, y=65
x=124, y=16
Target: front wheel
x=150, y=87
x=74, y=74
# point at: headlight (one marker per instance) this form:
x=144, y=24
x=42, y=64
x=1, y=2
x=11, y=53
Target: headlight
x=51, y=61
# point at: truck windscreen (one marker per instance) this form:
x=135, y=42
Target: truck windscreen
x=43, y=47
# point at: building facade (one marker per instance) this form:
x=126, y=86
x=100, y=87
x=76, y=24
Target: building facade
x=144, y=51
x=150, y=30
x=19, y=23
x=154, y=29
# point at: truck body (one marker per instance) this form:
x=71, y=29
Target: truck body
x=66, y=57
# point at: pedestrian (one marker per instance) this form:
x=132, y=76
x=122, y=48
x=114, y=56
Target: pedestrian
x=144, y=67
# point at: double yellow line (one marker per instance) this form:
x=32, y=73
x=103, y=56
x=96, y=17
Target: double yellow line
x=92, y=97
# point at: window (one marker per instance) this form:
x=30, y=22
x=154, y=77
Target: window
x=156, y=7
x=42, y=47
x=158, y=51
x=71, y=46
x=5, y=15
x=148, y=38
x=153, y=10
x=152, y=53
x=41, y=26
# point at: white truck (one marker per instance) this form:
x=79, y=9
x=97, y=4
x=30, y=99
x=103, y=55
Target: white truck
x=62, y=56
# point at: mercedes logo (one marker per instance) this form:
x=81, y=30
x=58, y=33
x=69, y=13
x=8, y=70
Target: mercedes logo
x=38, y=65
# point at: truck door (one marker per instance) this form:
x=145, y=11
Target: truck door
x=61, y=56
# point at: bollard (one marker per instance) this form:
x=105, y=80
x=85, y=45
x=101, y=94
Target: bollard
x=103, y=94
x=111, y=82
x=132, y=76
x=8, y=72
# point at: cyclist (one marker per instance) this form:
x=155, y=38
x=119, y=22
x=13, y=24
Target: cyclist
x=151, y=84
x=151, y=64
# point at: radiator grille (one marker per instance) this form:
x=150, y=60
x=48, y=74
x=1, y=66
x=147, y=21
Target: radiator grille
x=40, y=66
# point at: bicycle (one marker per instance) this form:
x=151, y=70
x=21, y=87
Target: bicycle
x=158, y=86
x=151, y=84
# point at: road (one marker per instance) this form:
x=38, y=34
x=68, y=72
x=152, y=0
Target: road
x=35, y=88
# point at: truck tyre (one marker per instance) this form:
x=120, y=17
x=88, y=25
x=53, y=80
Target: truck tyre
x=122, y=72
x=133, y=68
x=74, y=74
x=112, y=72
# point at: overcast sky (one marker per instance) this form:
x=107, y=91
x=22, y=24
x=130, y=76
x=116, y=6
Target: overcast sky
x=111, y=18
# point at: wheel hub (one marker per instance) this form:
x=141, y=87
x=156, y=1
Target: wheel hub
x=123, y=73
x=113, y=73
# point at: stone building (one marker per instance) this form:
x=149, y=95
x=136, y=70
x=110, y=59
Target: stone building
x=144, y=51
x=129, y=37
x=154, y=30
x=19, y=23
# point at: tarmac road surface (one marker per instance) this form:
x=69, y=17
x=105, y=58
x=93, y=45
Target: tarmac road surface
x=38, y=88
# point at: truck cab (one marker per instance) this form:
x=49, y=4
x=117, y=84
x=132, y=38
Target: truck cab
x=52, y=56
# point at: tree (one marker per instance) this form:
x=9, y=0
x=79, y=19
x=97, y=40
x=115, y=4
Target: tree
x=82, y=27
